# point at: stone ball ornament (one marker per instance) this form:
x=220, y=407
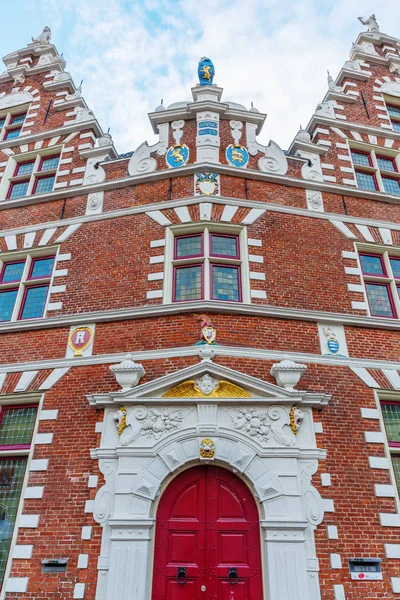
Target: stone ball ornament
x=127, y=373
x=206, y=71
x=287, y=373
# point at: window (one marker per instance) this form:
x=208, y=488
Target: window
x=17, y=424
x=11, y=125
x=391, y=419
x=24, y=287
x=35, y=176
x=394, y=113
x=381, y=274
x=207, y=265
x=376, y=172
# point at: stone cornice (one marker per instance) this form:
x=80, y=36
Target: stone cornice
x=195, y=168
x=190, y=200
x=209, y=306
x=377, y=131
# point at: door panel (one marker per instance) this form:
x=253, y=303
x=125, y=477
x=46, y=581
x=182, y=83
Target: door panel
x=207, y=522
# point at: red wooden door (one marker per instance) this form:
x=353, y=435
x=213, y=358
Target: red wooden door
x=207, y=522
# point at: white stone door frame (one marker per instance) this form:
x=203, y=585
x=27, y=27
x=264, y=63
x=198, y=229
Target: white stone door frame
x=278, y=470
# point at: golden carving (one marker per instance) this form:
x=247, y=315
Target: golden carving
x=206, y=70
x=236, y=155
x=207, y=448
x=296, y=417
x=177, y=153
x=120, y=419
x=223, y=389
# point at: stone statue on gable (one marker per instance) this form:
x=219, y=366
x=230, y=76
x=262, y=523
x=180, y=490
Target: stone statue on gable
x=371, y=23
x=44, y=37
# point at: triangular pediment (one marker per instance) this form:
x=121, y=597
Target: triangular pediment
x=232, y=384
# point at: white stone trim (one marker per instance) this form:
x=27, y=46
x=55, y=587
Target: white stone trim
x=157, y=243
x=395, y=581
x=16, y=584
x=257, y=276
x=53, y=378
x=374, y=437
x=93, y=481
x=43, y=438
x=379, y=462
x=392, y=550
x=258, y=294
x=318, y=427
x=343, y=229
x=22, y=551
x=157, y=259
x=154, y=294
x=365, y=232
x=229, y=212
x=98, y=427
x=335, y=561
x=29, y=521
x=332, y=532
x=365, y=376
x=79, y=590
x=155, y=276
x=389, y=519
x=86, y=533
x=338, y=590
x=393, y=377
x=25, y=380
x=39, y=464
x=182, y=212
x=83, y=561
x=370, y=413
x=384, y=491
x=253, y=215
x=158, y=217
x=34, y=492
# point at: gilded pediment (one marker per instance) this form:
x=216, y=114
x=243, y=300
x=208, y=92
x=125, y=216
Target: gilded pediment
x=207, y=387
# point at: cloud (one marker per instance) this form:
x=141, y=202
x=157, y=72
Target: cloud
x=272, y=53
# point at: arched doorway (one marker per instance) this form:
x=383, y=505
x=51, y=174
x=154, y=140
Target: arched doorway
x=207, y=542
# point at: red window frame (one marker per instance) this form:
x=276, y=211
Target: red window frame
x=16, y=183
x=386, y=285
x=13, y=117
x=9, y=131
x=43, y=158
x=18, y=165
x=33, y=261
x=237, y=267
x=188, y=256
x=226, y=235
x=392, y=403
x=188, y=266
x=358, y=169
x=355, y=151
x=388, y=177
x=15, y=446
x=37, y=178
x=22, y=305
x=5, y=265
x=391, y=160
x=380, y=256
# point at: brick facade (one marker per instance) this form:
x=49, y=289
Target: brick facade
x=302, y=274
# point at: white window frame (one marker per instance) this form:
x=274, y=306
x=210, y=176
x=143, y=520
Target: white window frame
x=380, y=397
x=8, y=114
x=392, y=101
x=35, y=156
x=46, y=251
x=383, y=251
x=16, y=400
x=206, y=228
x=374, y=169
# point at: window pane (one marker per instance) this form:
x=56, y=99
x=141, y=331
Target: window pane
x=188, y=283
x=18, y=190
x=225, y=283
x=35, y=300
x=365, y=181
x=224, y=246
x=18, y=118
x=372, y=265
x=49, y=163
x=188, y=246
x=360, y=159
x=12, y=134
x=42, y=267
x=396, y=126
x=13, y=272
x=392, y=186
x=12, y=473
x=25, y=168
x=395, y=264
x=2, y=121
x=391, y=417
x=7, y=301
x=379, y=300
x=394, y=110
x=387, y=164
x=44, y=184
x=396, y=469
x=17, y=425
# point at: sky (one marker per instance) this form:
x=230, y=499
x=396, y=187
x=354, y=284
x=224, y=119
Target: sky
x=131, y=54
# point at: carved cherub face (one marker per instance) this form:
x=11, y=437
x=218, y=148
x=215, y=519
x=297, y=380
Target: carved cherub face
x=206, y=384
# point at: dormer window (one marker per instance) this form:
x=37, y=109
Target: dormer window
x=376, y=172
x=34, y=176
x=394, y=113
x=11, y=125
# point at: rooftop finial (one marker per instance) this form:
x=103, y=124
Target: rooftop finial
x=206, y=71
x=371, y=23
x=44, y=37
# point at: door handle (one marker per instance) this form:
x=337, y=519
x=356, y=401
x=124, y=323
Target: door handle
x=233, y=576
x=181, y=575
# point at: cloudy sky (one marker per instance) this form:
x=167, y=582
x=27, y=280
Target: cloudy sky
x=133, y=53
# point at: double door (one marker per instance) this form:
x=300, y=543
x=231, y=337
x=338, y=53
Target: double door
x=207, y=543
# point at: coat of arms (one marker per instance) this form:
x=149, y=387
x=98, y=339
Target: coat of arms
x=208, y=332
